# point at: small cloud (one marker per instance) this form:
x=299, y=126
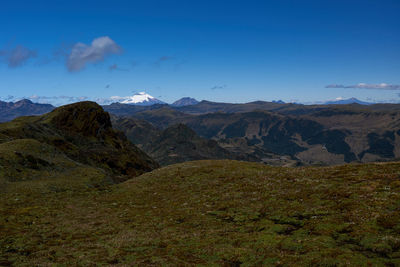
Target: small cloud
x=381, y=86
x=116, y=67
x=218, y=87
x=113, y=67
x=56, y=100
x=163, y=59
x=134, y=64
x=179, y=64
x=17, y=56
x=82, y=54
x=112, y=99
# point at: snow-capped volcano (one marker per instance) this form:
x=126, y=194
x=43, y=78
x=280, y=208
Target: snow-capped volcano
x=141, y=98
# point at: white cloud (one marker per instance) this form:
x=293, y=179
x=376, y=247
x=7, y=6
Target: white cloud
x=380, y=86
x=82, y=54
x=112, y=99
x=217, y=87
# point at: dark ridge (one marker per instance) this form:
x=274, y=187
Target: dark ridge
x=83, y=132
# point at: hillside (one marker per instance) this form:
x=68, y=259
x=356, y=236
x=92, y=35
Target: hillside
x=185, y=101
x=71, y=140
x=329, y=135
x=179, y=143
x=222, y=213
x=175, y=144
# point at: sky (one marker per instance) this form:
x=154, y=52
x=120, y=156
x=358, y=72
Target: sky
x=225, y=51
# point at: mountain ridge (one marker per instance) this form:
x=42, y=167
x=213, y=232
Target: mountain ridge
x=24, y=107
x=351, y=100
x=185, y=101
x=81, y=133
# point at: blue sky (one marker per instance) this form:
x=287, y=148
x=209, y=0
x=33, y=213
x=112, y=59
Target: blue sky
x=228, y=51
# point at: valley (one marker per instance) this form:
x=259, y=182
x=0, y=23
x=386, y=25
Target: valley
x=284, y=134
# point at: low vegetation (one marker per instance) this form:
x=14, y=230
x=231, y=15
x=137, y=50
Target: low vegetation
x=209, y=213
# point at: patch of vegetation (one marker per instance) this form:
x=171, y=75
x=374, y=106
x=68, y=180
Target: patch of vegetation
x=179, y=143
x=237, y=129
x=334, y=141
x=280, y=142
x=380, y=145
x=209, y=213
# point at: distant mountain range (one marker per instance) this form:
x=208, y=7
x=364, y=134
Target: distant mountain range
x=314, y=134
x=11, y=110
x=271, y=132
x=144, y=99
x=352, y=100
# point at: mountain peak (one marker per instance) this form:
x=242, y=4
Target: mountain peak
x=142, y=98
x=185, y=101
x=352, y=100
x=24, y=101
x=87, y=118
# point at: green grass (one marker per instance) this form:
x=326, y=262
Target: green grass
x=26, y=164
x=211, y=213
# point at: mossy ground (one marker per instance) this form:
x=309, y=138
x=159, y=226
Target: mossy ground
x=211, y=213
x=26, y=164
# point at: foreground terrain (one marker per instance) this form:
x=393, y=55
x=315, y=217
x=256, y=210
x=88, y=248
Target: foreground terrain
x=209, y=213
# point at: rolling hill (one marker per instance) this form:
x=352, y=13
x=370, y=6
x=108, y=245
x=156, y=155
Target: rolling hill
x=222, y=213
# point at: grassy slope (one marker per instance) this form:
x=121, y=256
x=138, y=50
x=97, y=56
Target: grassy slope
x=211, y=212
x=27, y=163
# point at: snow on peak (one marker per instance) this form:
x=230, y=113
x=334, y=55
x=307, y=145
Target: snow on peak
x=141, y=98
x=138, y=98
